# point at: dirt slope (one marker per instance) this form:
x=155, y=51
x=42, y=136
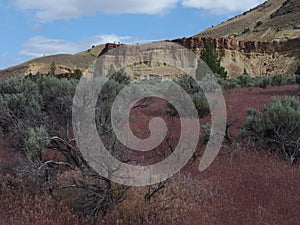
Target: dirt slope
x=274, y=19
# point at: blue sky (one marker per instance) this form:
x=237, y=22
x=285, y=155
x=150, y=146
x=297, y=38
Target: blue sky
x=32, y=28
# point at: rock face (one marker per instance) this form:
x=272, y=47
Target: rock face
x=197, y=44
x=164, y=59
x=257, y=57
x=108, y=47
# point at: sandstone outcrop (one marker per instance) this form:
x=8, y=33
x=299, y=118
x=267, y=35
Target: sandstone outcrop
x=256, y=57
x=164, y=59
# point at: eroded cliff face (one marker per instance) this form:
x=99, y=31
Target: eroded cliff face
x=164, y=59
x=256, y=57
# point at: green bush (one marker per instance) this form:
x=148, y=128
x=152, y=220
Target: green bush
x=201, y=104
x=258, y=23
x=244, y=80
x=246, y=30
x=298, y=71
x=276, y=127
x=263, y=82
x=191, y=87
x=33, y=102
x=36, y=143
x=290, y=79
x=77, y=74
x=228, y=83
x=278, y=80
x=188, y=84
x=298, y=79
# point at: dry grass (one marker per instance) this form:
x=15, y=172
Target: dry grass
x=65, y=63
x=277, y=27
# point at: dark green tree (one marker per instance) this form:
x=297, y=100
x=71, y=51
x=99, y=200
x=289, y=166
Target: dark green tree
x=211, y=58
x=77, y=74
x=298, y=71
x=52, y=69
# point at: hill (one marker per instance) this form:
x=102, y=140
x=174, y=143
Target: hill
x=272, y=20
x=263, y=41
x=65, y=63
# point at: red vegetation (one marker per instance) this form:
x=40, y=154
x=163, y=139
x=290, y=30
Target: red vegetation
x=238, y=101
x=242, y=186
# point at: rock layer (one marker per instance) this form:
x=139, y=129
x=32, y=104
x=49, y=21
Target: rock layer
x=256, y=57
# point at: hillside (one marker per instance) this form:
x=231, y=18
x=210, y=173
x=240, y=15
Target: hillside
x=65, y=63
x=262, y=41
x=274, y=19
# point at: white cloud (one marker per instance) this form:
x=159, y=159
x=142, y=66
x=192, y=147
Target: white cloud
x=63, y=9
x=46, y=10
x=38, y=46
x=222, y=6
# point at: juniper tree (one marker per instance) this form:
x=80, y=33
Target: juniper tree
x=211, y=58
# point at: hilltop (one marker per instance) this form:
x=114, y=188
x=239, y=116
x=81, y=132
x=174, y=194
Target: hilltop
x=65, y=63
x=272, y=20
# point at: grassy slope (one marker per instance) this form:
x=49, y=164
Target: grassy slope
x=284, y=24
x=64, y=63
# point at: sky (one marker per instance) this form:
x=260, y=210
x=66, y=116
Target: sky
x=34, y=28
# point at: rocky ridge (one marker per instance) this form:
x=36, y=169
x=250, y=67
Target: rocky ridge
x=256, y=57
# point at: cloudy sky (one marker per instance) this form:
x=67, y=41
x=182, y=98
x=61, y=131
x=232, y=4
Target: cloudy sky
x=33, y=28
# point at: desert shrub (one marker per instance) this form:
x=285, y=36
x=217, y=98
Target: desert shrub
x=277, y=127
x=188, y=84
x=36, y=114
x=106, y=98
x=19, y=109
x=36, y=142
x=298, y=71
x=278, y=80
x=290, y=79
x=263, y=82
x=298, y=79
x=258, y=23
x=246, y=30
x=121, y=77
x=244, y=80
x=205, y=135
x=191, y=87
x=201, y=104
x=228, y=83
x=35, y=109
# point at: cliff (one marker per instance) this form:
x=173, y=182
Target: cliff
x=257, y=57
